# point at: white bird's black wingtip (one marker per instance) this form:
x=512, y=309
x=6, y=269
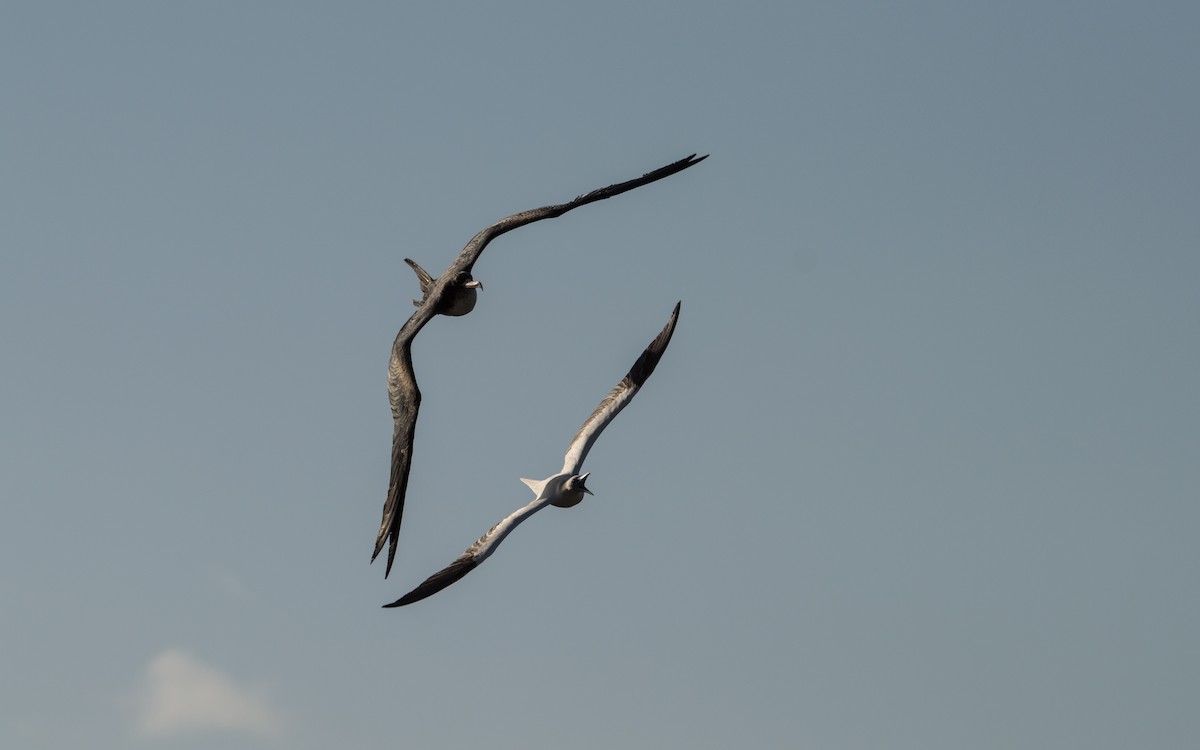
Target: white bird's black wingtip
x=437, y=581
x=644, y=367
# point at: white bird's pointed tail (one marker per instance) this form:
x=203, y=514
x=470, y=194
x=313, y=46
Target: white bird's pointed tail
x=537, y=485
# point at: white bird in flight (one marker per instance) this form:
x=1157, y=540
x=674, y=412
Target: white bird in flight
x=564, y=489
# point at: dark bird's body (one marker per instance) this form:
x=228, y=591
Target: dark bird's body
x=452, y=294
x=459, y=298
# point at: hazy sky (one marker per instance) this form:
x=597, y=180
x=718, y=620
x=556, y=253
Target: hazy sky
x=918, y=471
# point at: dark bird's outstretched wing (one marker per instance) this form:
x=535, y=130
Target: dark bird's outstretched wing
x=405, y=399
x=403, y=393
x=612, y=404
x=466, y=259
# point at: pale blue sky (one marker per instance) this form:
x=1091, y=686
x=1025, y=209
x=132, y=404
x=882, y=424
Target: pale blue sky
x=919, y=469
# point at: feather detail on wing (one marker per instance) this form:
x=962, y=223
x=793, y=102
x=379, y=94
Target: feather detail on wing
x=618, y=398
x=405, y=399
x=475, y=554
x=466, y=259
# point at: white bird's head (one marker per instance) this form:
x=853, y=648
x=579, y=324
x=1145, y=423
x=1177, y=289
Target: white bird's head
x=569, y=492
x=575, y=484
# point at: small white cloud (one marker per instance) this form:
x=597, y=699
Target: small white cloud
x=181, y=694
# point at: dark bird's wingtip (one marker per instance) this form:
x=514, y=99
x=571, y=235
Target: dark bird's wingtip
x=387, y=568
x=690, y=160
x=674, y=167
x=383, y=539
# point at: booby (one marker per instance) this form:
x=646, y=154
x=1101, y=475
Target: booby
x=564, y=489
x=453, y=293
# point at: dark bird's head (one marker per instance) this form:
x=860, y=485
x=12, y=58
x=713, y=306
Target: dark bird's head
x=459, y=298
x=466, y=281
